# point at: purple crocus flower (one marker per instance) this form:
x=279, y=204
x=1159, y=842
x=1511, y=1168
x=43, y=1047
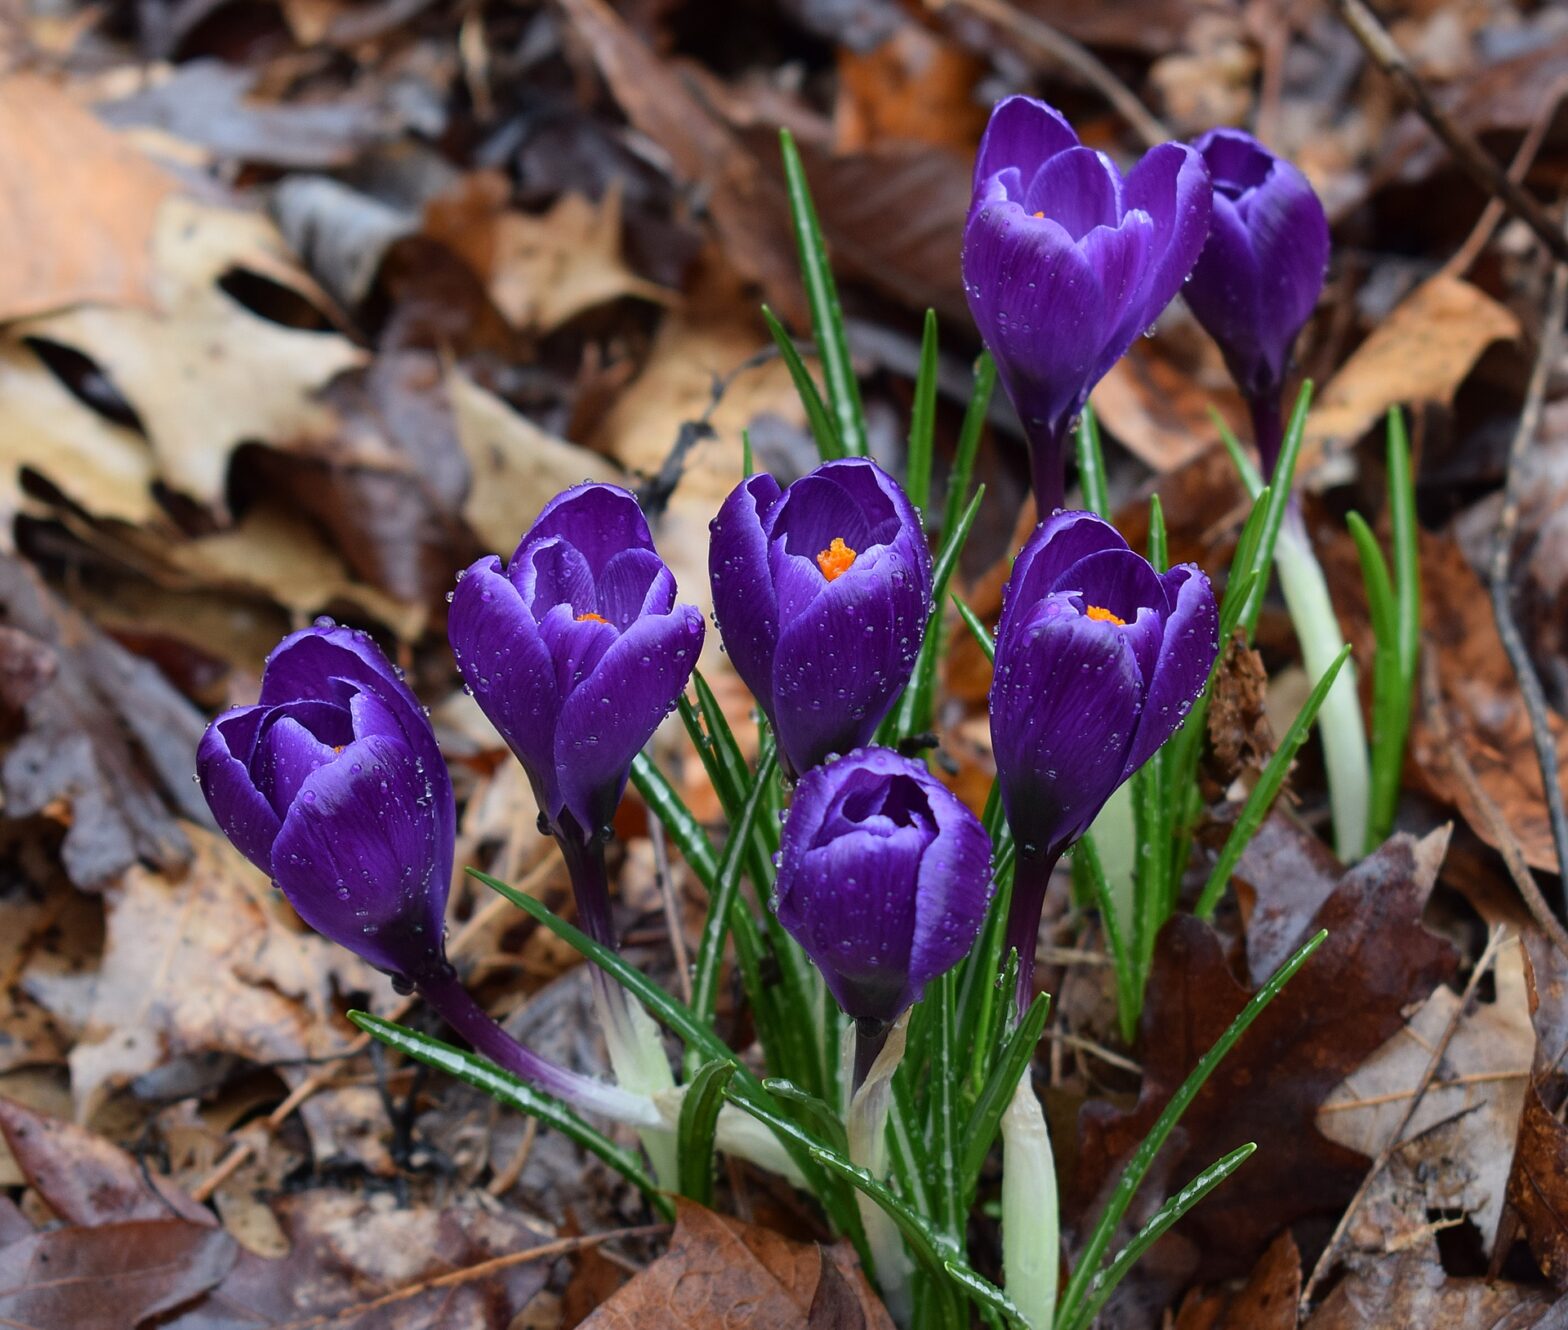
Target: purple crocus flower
x=821, y=592
x=1065, y=262
x=1098, y=660
x=1261, y=272
x=576, y=650
x=333, y=785
x=883, y=879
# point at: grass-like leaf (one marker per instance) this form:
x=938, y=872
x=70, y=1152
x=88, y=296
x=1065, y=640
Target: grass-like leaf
x=827, y=319
x=699, y=1120
x=1074, y=1296
x=823, y=427
x=922, y=420
x=1091, y=466
x=507, y=1089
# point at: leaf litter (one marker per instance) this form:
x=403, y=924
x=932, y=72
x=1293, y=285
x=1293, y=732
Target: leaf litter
x=307, y=306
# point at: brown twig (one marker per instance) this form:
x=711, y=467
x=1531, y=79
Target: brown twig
x=1076, y=56
x=1530, y=689
x=544, y=1252
x=1502, y=834
x=672, y=909
x=1387, y=56
x=1395, y=1138
x=1524, y=158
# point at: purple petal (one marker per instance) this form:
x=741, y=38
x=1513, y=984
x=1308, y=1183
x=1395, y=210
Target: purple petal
x=1120, y=581
x=1064, y=702
x=1079, y=190
x=738, y=571
x=1022, y=132
x=880, y=499
x=1122, y=258
x=1224, y=296
x=1237, y=161
x=240, y=810
x=1290, y=234
x=634, y=583
x=287, y=751
x=600, y=520
x=1171, y=184
x=610, y=716
x=1187, y=653
x=816, y=511
x=1052, y=548
x=360, y=856
x=955, y=891
x=841, y=661
x=504, y=662
x=1040, y=309
x=552, y=572
x=576, y=647
x=308, y=663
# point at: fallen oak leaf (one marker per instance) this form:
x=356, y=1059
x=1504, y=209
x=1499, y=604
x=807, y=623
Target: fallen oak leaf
x=717, y=1266
x=1337, y=1011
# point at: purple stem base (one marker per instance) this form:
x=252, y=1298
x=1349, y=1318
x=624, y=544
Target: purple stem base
x=1031, y=876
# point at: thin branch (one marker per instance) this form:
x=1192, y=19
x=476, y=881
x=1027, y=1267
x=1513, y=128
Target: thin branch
x=1502, y=592
x=1076, y=56
x=1524, y=158
x=1395, y=1137
x=1387, y=56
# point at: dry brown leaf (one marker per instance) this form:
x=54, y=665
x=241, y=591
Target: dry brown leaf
x=1538, y=1181
x=718, y=1267
x=202, y=372
x=77, y=208
x=1462, y=1134
x=515, y=467
x=207, y=963
x=914, y=86
x=1411, y=1289
x=1266, y=1302
x=1157, y=410
x=1420, y=353
x=540, y=271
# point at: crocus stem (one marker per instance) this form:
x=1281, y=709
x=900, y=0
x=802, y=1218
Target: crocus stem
x=1339, y=721
x=1268, y=430
x=456, y=1006
x=1046, y=465
x=1031, y=876
x=866, y=1128
x=870, y=1040
x=636, y=1050
x=1031, y=1256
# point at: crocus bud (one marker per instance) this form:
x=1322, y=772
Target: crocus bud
x=1261, y=272
x=1098, y=660
x=576, y=650
x=883, y=879
x=821, y=593
x=1065, y=262
x=333, y=785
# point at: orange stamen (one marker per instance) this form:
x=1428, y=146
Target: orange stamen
x=1041, y=213
x=591, y=617
x=1104, y=616
x=836, y=559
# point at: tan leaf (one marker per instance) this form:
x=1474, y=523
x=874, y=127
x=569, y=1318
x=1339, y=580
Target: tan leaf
x=202, y=372
x=515, y=468
x=77, y=205
x=1420, y=353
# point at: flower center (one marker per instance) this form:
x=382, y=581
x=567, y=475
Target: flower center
x=591, y=617
x=836, y=559
x=1041, y=213
x=1104, y=615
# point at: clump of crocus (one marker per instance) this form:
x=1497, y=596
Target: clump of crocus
x=1065, y=261
x=883, y=879
x=1098, y=660
x=333, y=785
x=576, y=650
x=1261, y=272
x=821, y=592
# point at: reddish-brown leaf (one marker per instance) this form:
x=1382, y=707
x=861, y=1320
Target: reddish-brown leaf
x=1267, y=1301
x=1339, y=1009
x=85, y=1179
x=1538, y=1182
x=720, y=1272
x=111, y=1277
